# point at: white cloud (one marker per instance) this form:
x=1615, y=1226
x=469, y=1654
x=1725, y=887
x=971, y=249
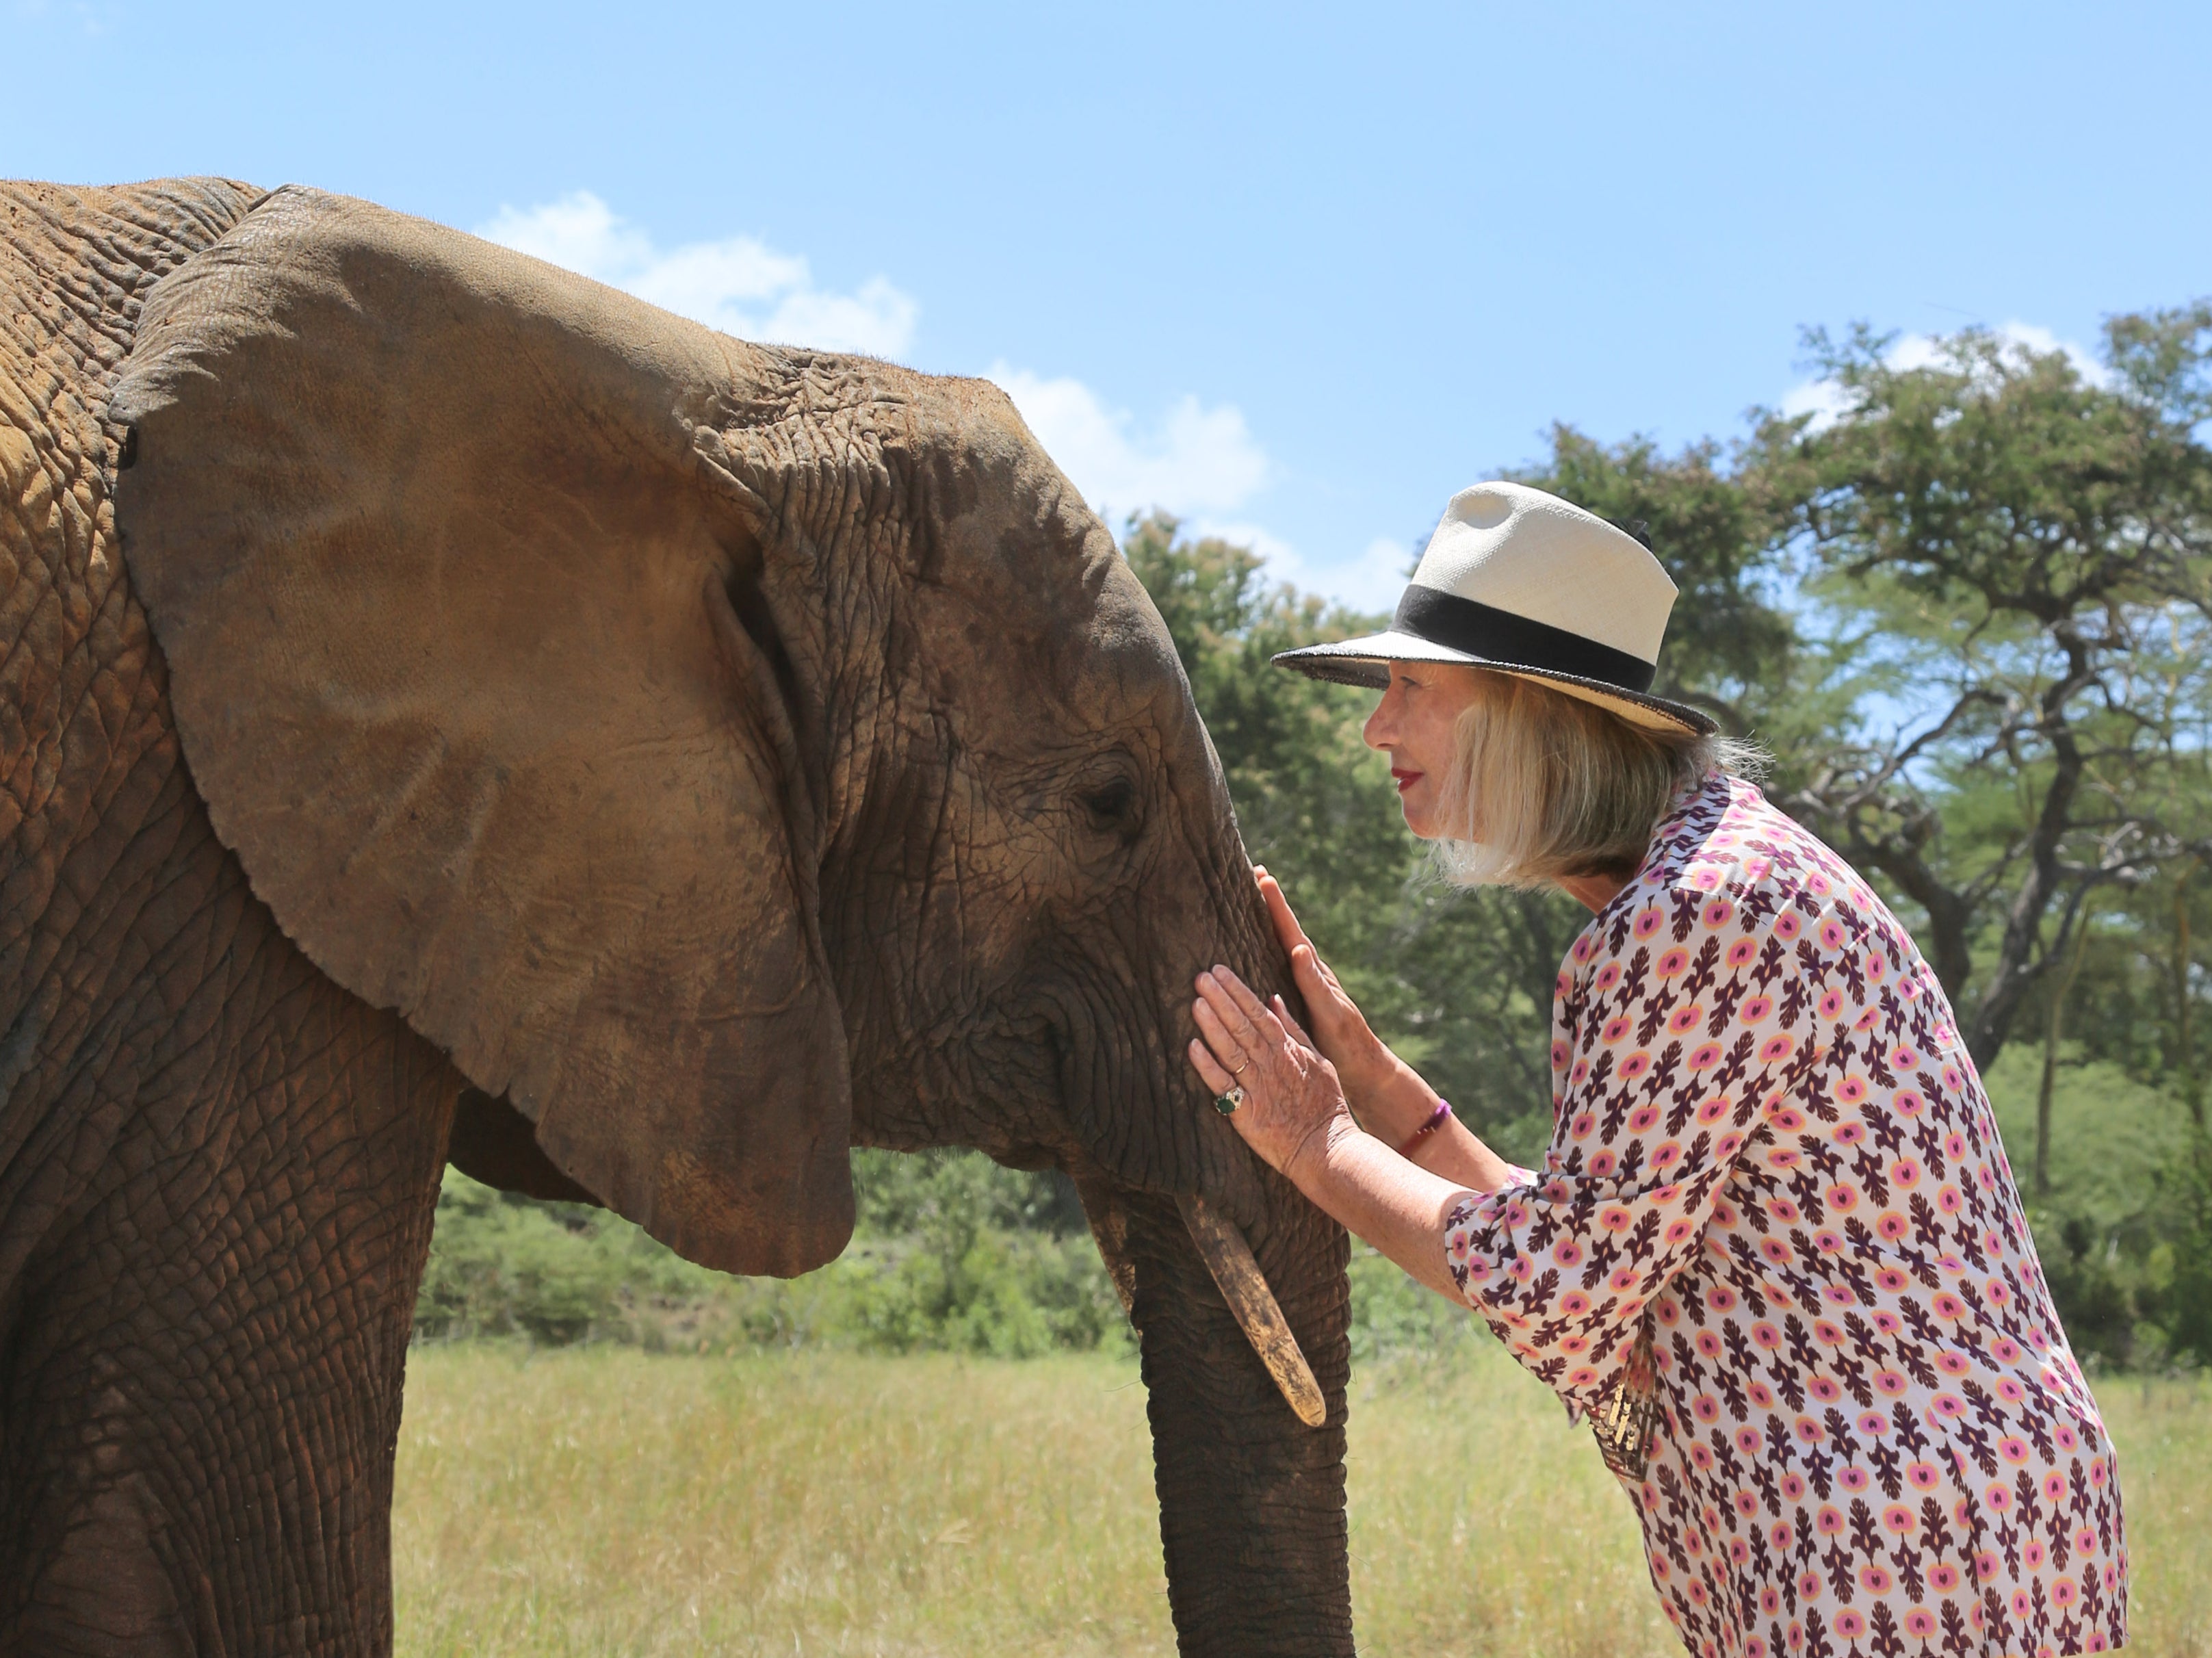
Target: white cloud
x=94, y=18
x=2033, y=336
x=739, y=284
x=1283, y=561
x=1824, y=399
x=1374, y=579
x=1370, y=580
x=1192, y=462
x=1199, y=462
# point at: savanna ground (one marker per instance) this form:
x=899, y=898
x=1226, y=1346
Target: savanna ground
x=605, y=1500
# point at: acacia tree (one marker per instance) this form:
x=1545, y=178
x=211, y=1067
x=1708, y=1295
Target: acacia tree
x=2010, y=565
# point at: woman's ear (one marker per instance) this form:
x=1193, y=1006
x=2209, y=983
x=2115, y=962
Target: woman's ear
x=443, y=583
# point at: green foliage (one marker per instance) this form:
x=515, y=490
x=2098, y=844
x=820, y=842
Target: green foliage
x=2008, y=561
x=2007, y=619
x=2183, y=1314
x=959, y=1254
x=951, y=1254
x=2107, y=1226
x=1392, y=1315
x=1947, y=542
x=555, y=1273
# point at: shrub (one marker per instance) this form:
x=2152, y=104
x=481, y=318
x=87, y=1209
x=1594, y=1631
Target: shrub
x=952, y=1252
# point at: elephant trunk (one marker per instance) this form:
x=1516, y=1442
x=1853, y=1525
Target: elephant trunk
x=1252, y=1515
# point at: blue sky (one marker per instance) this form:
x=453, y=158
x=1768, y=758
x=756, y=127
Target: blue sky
x=1294, y=272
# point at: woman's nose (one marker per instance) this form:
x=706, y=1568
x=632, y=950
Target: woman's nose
x=1381, y=728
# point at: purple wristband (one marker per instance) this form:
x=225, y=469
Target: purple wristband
x=1437, y=1119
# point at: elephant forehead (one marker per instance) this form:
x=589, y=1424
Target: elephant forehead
x=1064, y=651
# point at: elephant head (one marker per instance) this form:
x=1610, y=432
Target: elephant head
x=727, y=755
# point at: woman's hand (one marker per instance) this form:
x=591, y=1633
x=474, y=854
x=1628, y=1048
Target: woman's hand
x=1293, y=1115
x=1293, y=1105
x=1340, y=1029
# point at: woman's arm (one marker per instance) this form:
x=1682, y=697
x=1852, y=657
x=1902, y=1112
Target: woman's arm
x=1453, y=1151
x=1388, y=1096
x=1294, y=1115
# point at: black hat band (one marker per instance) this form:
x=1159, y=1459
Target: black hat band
x=1500, y=636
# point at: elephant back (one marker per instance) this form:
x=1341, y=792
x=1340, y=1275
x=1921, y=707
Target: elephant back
x=75, y=266
x=85, y=734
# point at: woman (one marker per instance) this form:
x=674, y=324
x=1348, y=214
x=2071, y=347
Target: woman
x=1775, y=1251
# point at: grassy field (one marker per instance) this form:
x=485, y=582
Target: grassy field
x=607, y=1501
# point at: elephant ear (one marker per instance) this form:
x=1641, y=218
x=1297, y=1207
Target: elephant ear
x=445, y=587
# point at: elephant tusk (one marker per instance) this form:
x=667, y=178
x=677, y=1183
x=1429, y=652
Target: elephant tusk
x=1229, y=1258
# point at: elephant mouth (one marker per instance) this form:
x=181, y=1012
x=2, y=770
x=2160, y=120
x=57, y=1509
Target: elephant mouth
x=1229, y=1259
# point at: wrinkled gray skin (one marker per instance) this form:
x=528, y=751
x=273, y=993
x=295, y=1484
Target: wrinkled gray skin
x=218, y=1167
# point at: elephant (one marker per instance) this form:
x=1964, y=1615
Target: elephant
x=452, y=708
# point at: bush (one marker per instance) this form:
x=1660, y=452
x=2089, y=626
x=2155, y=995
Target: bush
x=2182, y=1308
x=553, y=1272
x=1392, y=1315
x=952, y=1252
x=2124, y=1234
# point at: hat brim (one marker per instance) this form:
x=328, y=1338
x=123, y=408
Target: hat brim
x=1365, y=661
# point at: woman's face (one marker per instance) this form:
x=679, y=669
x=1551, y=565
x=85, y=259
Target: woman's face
x=1415, y=722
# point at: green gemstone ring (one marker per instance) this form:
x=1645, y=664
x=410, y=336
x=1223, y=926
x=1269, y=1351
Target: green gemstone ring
x=1226, y=1104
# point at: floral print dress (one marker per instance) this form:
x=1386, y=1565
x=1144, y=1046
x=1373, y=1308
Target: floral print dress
x=1777, y=1254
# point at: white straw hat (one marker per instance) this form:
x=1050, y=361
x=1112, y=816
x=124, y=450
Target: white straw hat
x=1522, y=582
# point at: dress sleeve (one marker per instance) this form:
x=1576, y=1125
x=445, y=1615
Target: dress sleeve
x=1656, y=1076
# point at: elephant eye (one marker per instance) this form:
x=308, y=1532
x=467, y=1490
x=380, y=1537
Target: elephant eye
x=1112, y=806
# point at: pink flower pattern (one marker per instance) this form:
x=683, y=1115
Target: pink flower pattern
x=1776, y=1219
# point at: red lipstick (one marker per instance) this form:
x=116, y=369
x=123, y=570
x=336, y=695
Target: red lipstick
x=1405, y=780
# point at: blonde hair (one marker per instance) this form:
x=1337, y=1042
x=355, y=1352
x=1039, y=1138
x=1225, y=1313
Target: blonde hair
x=1544, y=786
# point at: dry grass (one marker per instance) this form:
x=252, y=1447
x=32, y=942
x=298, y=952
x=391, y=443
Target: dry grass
x=607, y=1501
x=610, y=1502
x=2163, y=1432
x=1481, y=1522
